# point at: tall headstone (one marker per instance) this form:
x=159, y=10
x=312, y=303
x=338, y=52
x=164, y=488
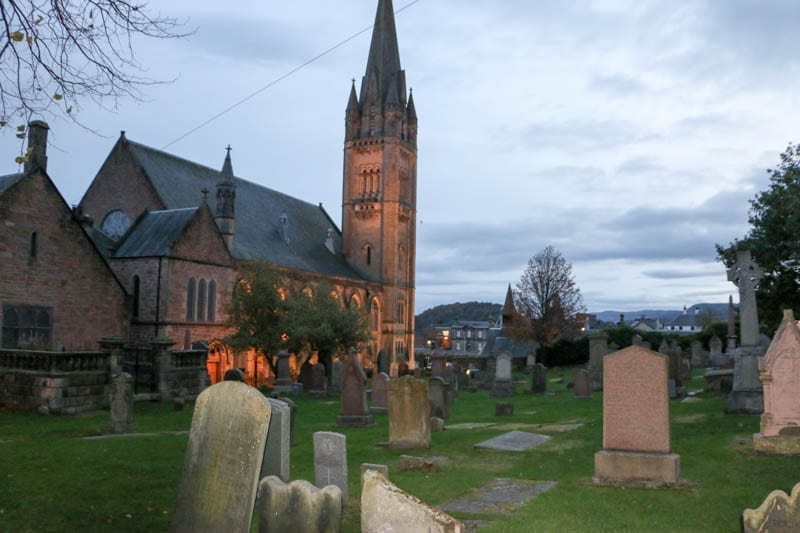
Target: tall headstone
x=699, y=356
x=355, y=412
x=122, y=403
x=330, y=461
x=779, y=513
x=663, y=348
x=598, y=349
x=335, y=388
x=383, y=362
x=438, y=363
x=380, y=393
x=780, y=374
x=747, y=396
x=306, y=376
x=319, y=382
x=636, y=433
x=409, y=414
x=503, y=386
x=582, y=388
x=437, y=395
x=731, y=344
x=718, y=359
x=222, y=467
x=283, y=380
x=276, y=452
x=299, y=507
x=451, y=377
x=538, y=379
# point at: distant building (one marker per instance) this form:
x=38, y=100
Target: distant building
x=647, y=324
x=463, y=337
x=695, y=318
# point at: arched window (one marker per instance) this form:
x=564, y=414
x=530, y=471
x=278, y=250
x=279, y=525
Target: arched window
x=34, y=246
x=201, y=300
x=355, y=302
x=212, y=301
x=190, y=296
x=136, y=296
x=374, y=315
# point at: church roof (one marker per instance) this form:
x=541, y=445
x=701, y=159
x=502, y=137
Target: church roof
x=155, y=233
x=384, y=57
x=9, y=180
x=299, y=244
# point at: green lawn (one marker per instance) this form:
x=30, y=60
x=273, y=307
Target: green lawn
x=55, y=480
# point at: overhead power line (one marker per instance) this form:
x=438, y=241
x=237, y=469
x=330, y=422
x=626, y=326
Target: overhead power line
x=279, y=79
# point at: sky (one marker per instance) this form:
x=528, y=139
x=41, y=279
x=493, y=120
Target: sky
x=629, y=135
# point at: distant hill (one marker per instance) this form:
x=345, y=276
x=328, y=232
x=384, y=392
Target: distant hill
x=443, y=315
x=717, y=310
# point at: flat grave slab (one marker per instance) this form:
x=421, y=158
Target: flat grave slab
x=470, y=425
x=514, y=441
x=501, y=495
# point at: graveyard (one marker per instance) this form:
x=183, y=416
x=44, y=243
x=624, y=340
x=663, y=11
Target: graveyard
x=71, y=473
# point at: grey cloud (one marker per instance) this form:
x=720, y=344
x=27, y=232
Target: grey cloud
x=617, y=85
x=573, y=136
x=675, y=274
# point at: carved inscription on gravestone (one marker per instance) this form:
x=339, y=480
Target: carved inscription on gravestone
x=635, y=401
x=330, y=461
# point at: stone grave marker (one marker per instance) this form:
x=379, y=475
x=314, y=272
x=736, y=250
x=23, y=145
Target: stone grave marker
x=438, y=363
x=718, y=359
x=276, y=453
x=385, y=507
x=452, y=382
x=437, y=395
x=221, y=468
x=699, y=356
x=306, y=376
x=381, y=469
x=779, y=513
x=355, y=412
x=636, y=433
x=122, y=403
x=283, y=381
x=514, y=441
x=383, y=362
x=583, y=386
x=503, y=409
x=319, y=383
x=299, y=507
x=335, y=388
x=780, y=374
x=503, y=385
x=409, y=413
x=598, y=349
x=538, y=379
x=637, y=340
x=330, y=461
x=663, y=348
x=380, y=393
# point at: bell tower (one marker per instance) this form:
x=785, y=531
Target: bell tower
x=379, y=193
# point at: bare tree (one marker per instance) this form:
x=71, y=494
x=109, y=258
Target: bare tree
x=55, y=53
x=547, y=298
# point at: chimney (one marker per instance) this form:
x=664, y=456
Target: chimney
x=37, y=147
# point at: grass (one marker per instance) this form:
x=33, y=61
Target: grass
x=53, y=479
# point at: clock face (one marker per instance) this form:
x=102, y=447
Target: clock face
x=115, y=224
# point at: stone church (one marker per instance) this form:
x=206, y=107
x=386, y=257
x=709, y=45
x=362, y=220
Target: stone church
x=177, y=234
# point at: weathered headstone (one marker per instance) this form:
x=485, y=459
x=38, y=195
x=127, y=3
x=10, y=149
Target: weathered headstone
x=355, y=412
x=319, y=383
x=380, y=393
x=221, y=469
x=437, y=395
x=718, y=359
x=385, y=507
x=582, y=388
x=451, y=380
x=503, y=409
x=438, y=363
x=538, y=379
x=299, y=507
x=780, y=374
x=276, y=453
x=637, y=340
x=409, y=413
x=699, y=356
x=663, y=348
x=383, y=362
x=503, y=386
x=306, y=376
x=122, y=403
x=747, y=396
x=636, y=433
x=598, y=349
x=381, y=469
x=730, y=346
x=330, y=461
x=283, y=381
x=335, y=388
x=779, y=513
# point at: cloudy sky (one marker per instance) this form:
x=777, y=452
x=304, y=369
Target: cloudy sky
x=630, y=135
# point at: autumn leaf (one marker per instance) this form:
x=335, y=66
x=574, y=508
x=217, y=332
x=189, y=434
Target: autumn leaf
x=57, y=97
x=20, y=159
x=17, y=36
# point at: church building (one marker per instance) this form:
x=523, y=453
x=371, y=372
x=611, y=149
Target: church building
x=178, y=234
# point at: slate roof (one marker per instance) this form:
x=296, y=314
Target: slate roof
x=476, y=324
x=154, y=233
x=9, y=180
x=497, y=343
x=179, y=184
x=699, y=312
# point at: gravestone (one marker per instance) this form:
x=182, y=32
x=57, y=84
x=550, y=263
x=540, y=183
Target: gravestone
x=355, y=412
x=385, y=507
x=503, y=386
x=538, y=379
x=381, y=469
x=299, y=507
x=598, y=349
x=380, y=393
x=451, y=380
x=409, y=414
x=718, y=359
x=747, y=396
x=383, y=362
x=514, y=441
x=699, y=356
x=283, y=380
x=779, y=513
x=438, y=363
x=636, y=433
x=503, y=409
x=780, y=374
x=276, y=452
x=122, y=403
x=319, y=383
x=306, y=376
x=330, y=461
x=637, y=340
x=663, y=348
x=582, y=388
x=437, y=395
x=335, y=388
x=221, y=468
x=730, y=347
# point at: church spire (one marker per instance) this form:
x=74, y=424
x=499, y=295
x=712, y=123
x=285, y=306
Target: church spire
x=384, y=58
x=226, y=201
